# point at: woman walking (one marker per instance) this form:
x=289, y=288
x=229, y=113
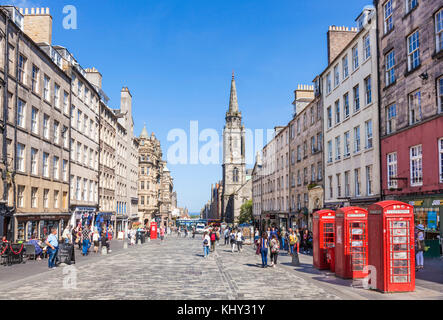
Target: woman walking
x=305, y=244
x=206, y=243
x=275, y=249
x=95, y=239
x=239, y=240
x=263, y=248
x=419, y=247
x=233, y=240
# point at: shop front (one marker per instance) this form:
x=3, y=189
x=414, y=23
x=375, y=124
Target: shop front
x=35, y=226
x=428, y=211
x=83, y=216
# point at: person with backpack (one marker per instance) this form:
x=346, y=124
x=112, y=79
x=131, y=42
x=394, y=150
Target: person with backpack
x=275, y=250
x=206, y=242
x=419, y=247
x=213, y=238
x=239, y=240
x=233, y=240
x=292, y=241
x=262, y=249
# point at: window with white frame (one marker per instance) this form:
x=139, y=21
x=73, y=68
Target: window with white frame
x=21, y=111
x=337, y=148
x=35, y=79
x=328, y=83
x=34, y=120
x=79, y=152
x=411, y=4
x=57, y=96
x=347, y=144
x=319, y=141
x=338, y=179
x=440, y=94
x=56, y=168
x=22, y=69
x=331, y=188
x=345, y=67
x=85, y=190
x=20, y=157
x=34, y=197
x=34, y=161
x=369, y=138
x=337, y=111
x=346, y=105
x=329, y=151
x=368, y=90
x=46, y=126
x=319, y=171
x=355, y=58
x=415, y=114
x=313, y=173
x=336, y=76
x=391, y=118
x=79, y=121
x=413, y=51
x=85, y=155
x=80, y=89
x=72, y=116
x=65, y=137
x=77, y=189
x=416, y=166
x=390, y=68
x=46, y=198
x=46, y=83
x=91, y=190
x=356, y=98
x=329, y=112
x=21, y=196
x=357, y=139
x=388, y=16
x=56, y=196
x=369, y=190
x=56, y=132
x=439, y=31
x=440, y=149
x=357, y=182
x=347, y=184
x=367, y=46
x=392, y=170
x=65, y=102
x=46, y=165
x=65, y=170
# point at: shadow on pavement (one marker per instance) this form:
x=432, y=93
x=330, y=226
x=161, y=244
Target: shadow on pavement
x=258, y=265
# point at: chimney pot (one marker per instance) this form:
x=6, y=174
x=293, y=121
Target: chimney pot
x=37, y=10
x=32, y=10
x=26, y=11
x=47, y=10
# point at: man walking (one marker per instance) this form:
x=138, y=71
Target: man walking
x=213, y=237
x=52, y=243
x=86, y=234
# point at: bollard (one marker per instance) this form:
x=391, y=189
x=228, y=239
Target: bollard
x=139, y=241
x=149, y=239
x=104, y=251
x=125, y=245
x=295, y=259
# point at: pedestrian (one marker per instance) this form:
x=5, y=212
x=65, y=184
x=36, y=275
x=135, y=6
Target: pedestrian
x=305, y=244
x=263, y=249
x=239, y=240
x=133, y=237
x=206, y=242
x=213, y=237
x=269, y=233
x=233, y=239
x=292, y=241
x=297, y=233
x=66, y=236
x=256, y=238
x=275, y=249
x=86, y=238
x=52, y=243
x=162, y=233
x=95, y=239
x=226, y=235
x=283, y=238
x=217, y=236
x=105, y=242
x=186, y=232
x=419, y=247
x=38, y=247
x=193, y=232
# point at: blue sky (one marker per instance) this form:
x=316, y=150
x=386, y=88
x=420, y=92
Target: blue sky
x=176, y=57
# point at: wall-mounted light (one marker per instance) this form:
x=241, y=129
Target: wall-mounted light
x=424, y=76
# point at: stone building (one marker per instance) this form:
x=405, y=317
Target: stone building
x=306, y=156
x=257, y=190
x=351, y=129
x=410, y=47
x=234, y=164
x=35, y=121
x=150, y=173
x=165, y=200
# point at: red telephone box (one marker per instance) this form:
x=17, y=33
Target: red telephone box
x=153, y=230
x=391, y=245
x=351, y=242
x=323, y=237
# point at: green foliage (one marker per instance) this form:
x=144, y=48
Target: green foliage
x=245, y=213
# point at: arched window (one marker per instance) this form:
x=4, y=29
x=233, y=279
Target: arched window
x=235, y=175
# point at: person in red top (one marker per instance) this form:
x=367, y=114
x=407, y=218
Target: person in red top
x=213, y=237
x=162, y=233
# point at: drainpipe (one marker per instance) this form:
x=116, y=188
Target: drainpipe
x=379, y=103
x=73, y=219
x=5, y=114
x=19, y=33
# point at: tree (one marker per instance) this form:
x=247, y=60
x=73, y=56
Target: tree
x=245, y=212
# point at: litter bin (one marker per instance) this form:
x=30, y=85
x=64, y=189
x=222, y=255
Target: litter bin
x=331, y=258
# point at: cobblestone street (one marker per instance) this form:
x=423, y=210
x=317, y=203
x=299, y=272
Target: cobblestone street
x=176, y=270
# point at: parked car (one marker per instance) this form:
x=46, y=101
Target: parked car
x=200, y=228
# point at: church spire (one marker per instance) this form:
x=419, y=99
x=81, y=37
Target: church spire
x=233, y=103
x=144, y=133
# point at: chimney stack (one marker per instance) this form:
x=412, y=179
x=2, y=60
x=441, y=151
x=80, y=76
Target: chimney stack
x=338, y=39
x=94, y=77
x=38, y=24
